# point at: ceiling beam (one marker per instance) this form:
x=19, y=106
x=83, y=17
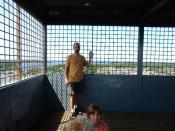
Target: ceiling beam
x=155, y=8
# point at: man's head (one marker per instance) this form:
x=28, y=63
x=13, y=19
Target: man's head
x=76, y=47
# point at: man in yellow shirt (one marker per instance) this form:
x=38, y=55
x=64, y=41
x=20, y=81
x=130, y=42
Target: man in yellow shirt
x=74, y=74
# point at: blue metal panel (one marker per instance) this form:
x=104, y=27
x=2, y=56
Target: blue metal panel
x=5, y=108
x=21, y=105
x=112, y=93
x=117, y=93
x=158, y=94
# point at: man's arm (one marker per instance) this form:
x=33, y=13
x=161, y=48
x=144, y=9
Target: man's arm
x=90, y=59
x=66, y=72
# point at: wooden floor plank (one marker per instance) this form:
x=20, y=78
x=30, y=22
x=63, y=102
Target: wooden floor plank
x=117, y=121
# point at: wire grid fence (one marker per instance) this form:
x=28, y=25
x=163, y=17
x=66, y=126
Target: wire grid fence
x=60, y=89
x=21, y=44
x=115, y=48
x=159, y=51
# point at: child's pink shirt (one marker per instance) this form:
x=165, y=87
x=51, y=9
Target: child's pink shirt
x=102, y=126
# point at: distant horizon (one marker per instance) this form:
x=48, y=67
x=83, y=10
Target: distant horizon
x=98, y=61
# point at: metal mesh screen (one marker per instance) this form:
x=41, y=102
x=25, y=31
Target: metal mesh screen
x=21, y=44
x=60, y=39
x=114, y=47
x=159, y=51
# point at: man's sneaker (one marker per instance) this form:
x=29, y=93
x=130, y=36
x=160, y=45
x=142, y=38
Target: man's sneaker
x=75, y=112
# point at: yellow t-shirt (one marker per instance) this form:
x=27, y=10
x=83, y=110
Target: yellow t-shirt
x=76, y=63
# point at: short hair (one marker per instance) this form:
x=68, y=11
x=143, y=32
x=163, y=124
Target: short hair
x=74, y=126
x=76, y=43
x=92, y=109
x=80, y=123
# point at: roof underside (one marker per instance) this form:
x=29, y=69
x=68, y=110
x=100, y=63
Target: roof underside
x=152, y=12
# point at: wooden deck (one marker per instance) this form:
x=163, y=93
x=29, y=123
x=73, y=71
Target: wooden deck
x=117, y=121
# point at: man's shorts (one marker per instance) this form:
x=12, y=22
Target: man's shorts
x=75, y=87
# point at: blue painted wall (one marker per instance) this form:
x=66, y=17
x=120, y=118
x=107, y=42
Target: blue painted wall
x=22, y=105
x=158, y=94
x=121, y=93
x=111, y=93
